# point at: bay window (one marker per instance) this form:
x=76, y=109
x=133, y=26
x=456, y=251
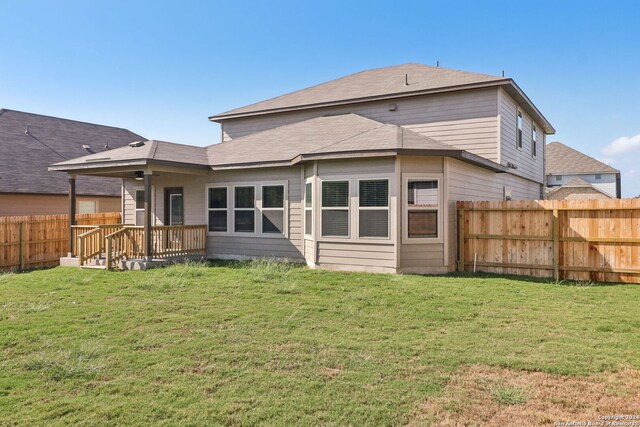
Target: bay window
x=308, y=208
x=335, y=208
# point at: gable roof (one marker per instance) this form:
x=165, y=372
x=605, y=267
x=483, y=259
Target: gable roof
x=25, y=156
x=383, y=83
x=561, y=159
x=577, y=183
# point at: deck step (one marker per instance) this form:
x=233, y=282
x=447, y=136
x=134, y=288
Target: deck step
x=94, y=267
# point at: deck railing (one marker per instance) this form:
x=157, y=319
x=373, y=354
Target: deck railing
x=117, y=242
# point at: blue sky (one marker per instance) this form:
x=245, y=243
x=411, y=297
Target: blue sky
x=160, y=69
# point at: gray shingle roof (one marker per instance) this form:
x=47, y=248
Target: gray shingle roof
x=152, y=150
x=576, y=183
x=563, y=160
x=369, y=84
x=322, y=135
x=24, y=158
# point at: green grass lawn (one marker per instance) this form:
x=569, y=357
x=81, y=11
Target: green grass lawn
x=266, y=343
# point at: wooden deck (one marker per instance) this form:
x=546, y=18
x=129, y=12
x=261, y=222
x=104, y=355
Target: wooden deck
x=107, y=245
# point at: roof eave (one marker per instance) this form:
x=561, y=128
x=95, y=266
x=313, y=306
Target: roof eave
x=229, y=115
x=123, y=163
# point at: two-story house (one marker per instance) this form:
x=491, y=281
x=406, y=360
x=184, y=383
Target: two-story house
x=359, y=173
x=572, y=175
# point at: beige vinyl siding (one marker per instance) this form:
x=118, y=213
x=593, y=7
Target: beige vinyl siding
x=354, y=253
x=469, y=183
x=193, y=192
x=234, y=245
x=421, y=257
x=42, y=204
x=528, y=167
x=465, y=119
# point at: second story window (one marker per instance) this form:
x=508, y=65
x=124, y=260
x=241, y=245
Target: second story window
x=534, y=141
x=598, y=176
x=519, y=131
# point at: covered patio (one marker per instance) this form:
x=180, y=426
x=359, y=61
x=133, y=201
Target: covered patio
x=140, y=244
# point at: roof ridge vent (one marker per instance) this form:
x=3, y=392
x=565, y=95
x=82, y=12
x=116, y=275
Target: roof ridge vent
x=136, y=144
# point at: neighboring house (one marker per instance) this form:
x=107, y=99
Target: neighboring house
x=29, y=143
x=360, y=173
x=575, y=172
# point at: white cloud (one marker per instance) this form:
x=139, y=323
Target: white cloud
x=622, y=145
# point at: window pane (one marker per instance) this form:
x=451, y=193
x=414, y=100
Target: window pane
x=374, y=223
x=374, y=193
x=273, y=196
x=244, y=221
x=245, y=197
x=139, y=199
x=176, y=209
x=273, y=222
x=423, y=224
x=308, y=194
x=308, y=221
x=335, y=223
x=217, y=220
x=217, y=198
x=422, y=193
x=335, y=194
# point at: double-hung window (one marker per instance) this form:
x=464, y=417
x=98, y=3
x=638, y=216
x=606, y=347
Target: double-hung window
x=308, y=208
x=217, y=207
x=244, y=209
x=422, y=208
x=335, y=208
x=273, y=209
x=519, y=130
x=534, y=141
x=373, y=208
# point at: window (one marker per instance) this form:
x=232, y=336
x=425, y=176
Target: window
x=335, y=209
x=519, y=130
x=244, y=212
x=87, y=206
x=139, y=207
x=273, y=209
x=598, y=176
x=534, y=141
x=558, y=177
x=308, y=208
x=217, y=207
x=373, y=208
x=423, y=202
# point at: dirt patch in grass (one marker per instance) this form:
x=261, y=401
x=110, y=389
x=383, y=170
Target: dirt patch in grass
x=487, y=396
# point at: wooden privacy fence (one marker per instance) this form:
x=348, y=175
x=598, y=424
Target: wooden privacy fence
x=595, y=240
x=39, y=241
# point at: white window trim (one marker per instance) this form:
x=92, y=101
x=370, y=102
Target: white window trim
x=347, y=208
x=374, y=208
x=231, y=192
x=283, y=209
x=406, y=177
x=227, y=209
x=519, y=114
x=534, y=141
x=305, y=208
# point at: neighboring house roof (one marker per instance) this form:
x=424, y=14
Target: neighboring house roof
x=577, y=183
x=564, y=160
x=143, y=153
x=383, y=83
x=29, y=143
x=322, y=137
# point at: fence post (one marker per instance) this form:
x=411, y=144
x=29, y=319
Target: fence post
x=21, y=233
x=460, y=239
x=108, y=254
x=556, y=245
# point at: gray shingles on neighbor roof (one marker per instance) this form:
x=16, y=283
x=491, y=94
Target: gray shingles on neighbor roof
x=576, y=183
x=563, y=160
x=25, y=157
x=397, y=79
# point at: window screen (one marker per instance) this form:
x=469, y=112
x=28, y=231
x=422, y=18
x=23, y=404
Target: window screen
x=423, y=224
x=335, y=223
x=245, y=198
x=139, y=199
x=273, y=209
x=218, y=212
x=422, y=193
x=218, y=198
x=244, y=221
x=335, y=194
x=308, y=208
x=422, y=207
x=273, y=196
x=244, y=211
x=335, y=209
x=373, y=208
